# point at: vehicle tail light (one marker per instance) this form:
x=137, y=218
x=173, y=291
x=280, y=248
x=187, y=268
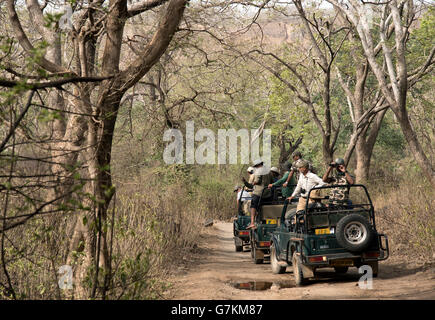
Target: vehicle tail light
x=317, y=259
x=243, y=233
x=264, y=244
x=373, y=254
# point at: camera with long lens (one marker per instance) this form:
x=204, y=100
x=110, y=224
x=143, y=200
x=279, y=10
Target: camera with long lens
x=334, y=165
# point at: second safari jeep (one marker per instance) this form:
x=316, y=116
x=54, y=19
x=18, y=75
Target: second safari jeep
x=266, y=221
x=241, y=234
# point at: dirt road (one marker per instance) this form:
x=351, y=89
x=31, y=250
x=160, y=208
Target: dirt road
x=215, y=267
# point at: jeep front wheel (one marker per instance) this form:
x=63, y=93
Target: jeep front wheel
x=297, y=270
x=276, y=268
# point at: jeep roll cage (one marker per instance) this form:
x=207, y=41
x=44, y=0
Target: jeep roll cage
x=333, y=208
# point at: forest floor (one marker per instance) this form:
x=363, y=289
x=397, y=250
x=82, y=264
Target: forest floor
x=214, y=267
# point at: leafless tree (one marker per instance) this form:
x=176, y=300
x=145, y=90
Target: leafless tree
x=324, y=40
x=395, y=80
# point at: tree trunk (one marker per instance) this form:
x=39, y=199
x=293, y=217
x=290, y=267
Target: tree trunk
x=363, y=156
x=415, y=146
x=365, y=144
x=394, y=83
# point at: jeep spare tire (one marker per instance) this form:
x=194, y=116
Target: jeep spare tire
x=354, y=232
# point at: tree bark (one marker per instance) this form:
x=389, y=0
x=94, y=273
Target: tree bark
x=91, y=137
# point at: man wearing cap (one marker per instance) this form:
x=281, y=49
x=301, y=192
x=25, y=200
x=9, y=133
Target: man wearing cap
x=274, y=171
x=341, y=176
x=247, y=203
x=251, y=175
x=296, y=155
x=262, y=178
x=307, y=181
x=287, y=190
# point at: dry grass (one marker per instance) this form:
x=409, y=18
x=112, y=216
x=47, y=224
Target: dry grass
x=405, y=212
x=161, y=225
x=158, y=221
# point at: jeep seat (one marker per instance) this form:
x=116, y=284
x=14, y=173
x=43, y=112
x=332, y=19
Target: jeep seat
x=271, y=211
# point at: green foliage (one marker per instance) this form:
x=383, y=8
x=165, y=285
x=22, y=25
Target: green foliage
x=422, y=39
x=48, y=115
x=52, y=19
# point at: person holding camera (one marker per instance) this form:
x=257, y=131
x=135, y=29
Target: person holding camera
x=341, y=177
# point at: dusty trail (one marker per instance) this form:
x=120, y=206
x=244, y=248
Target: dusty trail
x=209, y=274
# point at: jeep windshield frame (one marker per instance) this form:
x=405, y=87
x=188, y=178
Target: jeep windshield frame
x=239, y=204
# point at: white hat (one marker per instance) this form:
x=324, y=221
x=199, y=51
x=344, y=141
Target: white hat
x=257, y=162
x=274, y=169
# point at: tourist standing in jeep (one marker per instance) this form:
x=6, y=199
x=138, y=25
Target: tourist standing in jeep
x=341, y=176
x=262, y=178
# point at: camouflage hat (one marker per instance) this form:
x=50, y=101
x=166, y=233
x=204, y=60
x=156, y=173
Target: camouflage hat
x=236, y=188
x=302, y=164
x=339, y=161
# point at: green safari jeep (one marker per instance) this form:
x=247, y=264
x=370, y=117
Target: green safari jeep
x=241, y=234
x=335, y=234
x=266, y=221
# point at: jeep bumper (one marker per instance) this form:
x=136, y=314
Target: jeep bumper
x=349, y=259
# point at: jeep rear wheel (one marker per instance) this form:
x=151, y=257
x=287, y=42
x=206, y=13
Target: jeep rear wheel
x=251, y=244
x=354, y=232
x=297, y=270
x=276, y=268
x=254, y=252
x=237, y=242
